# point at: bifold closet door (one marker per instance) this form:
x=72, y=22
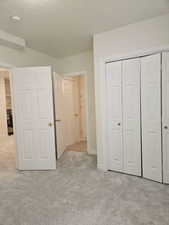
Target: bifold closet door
x=165, y=117
x=123, y=119
x=114, y=116
x=131, y=116
x=151, y=116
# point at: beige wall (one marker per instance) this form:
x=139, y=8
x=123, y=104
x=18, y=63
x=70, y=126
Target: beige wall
x=138, y=37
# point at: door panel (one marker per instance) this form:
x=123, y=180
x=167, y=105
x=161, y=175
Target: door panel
x=83, y=108
x=131, y=117
x=151, y=116
x=165, y=116
x=76, y=100
x=69, y=111
x=114, y=110
x=33, y=112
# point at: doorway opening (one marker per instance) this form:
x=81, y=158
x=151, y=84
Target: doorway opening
x=71, y=114
x=7, y=147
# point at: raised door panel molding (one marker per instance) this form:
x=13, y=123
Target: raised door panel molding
x=114, y=116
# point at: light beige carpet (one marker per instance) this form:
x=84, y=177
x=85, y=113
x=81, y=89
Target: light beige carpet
x=76, y=193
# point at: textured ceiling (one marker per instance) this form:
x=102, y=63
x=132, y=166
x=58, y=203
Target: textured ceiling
x=65, y=27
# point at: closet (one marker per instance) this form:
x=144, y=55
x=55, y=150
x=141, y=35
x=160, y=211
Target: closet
x=137, y=106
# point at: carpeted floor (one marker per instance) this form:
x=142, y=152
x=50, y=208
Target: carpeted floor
x=78, y=194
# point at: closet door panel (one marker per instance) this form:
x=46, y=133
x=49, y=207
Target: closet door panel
x=151, y=116
x=114, y=117
x=165, y=115
x=131, y=117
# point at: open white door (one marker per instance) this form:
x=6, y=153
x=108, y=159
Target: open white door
x=83, y=132
x=69, y=109
x=76, y=108
x=59, y=111
x=34, y=118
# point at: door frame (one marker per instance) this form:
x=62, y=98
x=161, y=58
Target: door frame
x=83, y=73
x=100, y=98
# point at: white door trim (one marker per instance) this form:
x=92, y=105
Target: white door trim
x=100, y=98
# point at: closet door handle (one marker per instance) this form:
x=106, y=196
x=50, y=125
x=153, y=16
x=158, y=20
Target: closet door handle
x=166, y=127
x=119, y=124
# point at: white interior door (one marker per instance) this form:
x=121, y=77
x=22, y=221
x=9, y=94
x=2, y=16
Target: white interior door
x=114, y=117
x=59, y=115
x=76, y=91
x=165, y=116
x=151, y=116
x=83, y=108
x=69, y=111
x=34, y=119
x=131, y=117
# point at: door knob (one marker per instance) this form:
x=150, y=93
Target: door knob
x=50, y=124
x=165, y=127
x=118, y=124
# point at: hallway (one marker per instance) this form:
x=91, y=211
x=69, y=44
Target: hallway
x=78, y=147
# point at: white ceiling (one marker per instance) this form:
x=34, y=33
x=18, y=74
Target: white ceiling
x=65, y=27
